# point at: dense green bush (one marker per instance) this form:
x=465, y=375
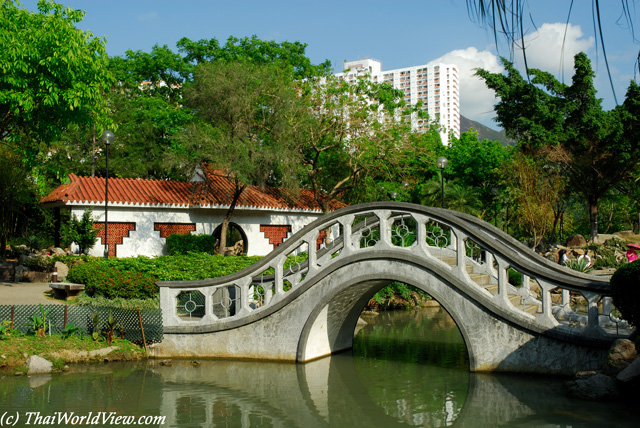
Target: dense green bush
x=100, y=279
x=184, y=244
x=625, y=288
x=134, y=277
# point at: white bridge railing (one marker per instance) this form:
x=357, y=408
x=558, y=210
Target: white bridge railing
x=500, y=273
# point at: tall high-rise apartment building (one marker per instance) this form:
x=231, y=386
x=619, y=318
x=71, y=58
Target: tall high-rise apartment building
x=436, y=85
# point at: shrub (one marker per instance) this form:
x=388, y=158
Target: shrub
x=184, y=244
x=625, y=289
x=100, y=279
x=40, y=264
x=82, y=232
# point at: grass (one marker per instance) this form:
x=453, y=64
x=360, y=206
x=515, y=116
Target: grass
x=15, y=349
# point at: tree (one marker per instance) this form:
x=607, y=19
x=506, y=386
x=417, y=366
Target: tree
x=476, y=164
x=246, y=116
x=536, y=192
x=565, y=124
x=15, y=192
x=286, y=55
x=352, y=131
x=53, y=75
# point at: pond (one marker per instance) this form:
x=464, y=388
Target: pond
x=407, y=368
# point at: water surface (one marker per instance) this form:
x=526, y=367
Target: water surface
x=406, y=369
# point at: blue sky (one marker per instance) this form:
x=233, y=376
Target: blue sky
x=400, y=34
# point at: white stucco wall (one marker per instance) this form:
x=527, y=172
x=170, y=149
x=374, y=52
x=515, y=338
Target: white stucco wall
x=144, y=240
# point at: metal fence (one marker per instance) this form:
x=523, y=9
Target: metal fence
x=135, y=324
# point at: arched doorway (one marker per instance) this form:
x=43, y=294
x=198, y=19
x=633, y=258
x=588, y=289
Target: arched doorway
x=235, y=235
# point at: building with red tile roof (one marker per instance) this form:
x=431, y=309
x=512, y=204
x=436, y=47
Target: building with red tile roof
x=142, y=213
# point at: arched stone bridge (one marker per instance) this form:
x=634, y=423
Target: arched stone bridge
x=516, y=310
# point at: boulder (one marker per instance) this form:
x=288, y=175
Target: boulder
x=576, y=241
x=38, y=365
x=625, y=233
x=597, y=387
x=7, y=271
x=631, y=373
x=621, y=355
x=58, y=251
x=20, y=271
x=63, y=270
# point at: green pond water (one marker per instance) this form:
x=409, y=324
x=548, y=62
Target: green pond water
x=407, y=368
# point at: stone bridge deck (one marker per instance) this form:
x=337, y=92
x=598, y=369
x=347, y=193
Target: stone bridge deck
x=516, y=311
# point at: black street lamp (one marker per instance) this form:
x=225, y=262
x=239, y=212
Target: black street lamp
x=442, y=164
x=107, y=138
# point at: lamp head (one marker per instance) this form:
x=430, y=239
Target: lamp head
x=442, y=162
x=107, y=137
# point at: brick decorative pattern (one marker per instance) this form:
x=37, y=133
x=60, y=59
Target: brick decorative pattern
x=116, y=231
x=276, y=234
x=167, y=229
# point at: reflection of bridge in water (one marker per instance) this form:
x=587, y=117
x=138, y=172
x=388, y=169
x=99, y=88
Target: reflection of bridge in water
x=516, y=311
x=330, y=393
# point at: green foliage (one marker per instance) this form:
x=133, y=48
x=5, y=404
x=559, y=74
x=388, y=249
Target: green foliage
x=53, y=74
x=515, y=277
x=5, y=330
x=580, y=265
x=178, y=244
x=286, y=55
x=625, y=289
x=69, y=330
x=110, y=327
x=40, y=264
x=566, y=125
x=32, y=242
x=82, y=232
x=39, y=323
x=399, y=291
x=103, y=280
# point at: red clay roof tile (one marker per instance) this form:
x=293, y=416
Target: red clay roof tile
x=215, y=191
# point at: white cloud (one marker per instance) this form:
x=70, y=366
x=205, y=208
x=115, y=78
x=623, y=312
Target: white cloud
x=548, y=49
x=476, y=100
x=552, y=48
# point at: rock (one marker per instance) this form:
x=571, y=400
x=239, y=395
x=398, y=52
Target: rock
x=19, y=272
x=63, y=271
x=597, y=387
x=23, y=258
x=36, y=276
x=621, y=354
x=58, y=251
x=38, y=365
x=631, y=372
x=576, y=241
x=625, y=233
x=7, y=271
x=623, y=349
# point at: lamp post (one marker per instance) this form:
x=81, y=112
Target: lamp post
x=442, y=164
x=107, y=138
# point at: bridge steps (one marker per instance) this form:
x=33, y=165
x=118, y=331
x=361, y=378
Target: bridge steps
x=488, y=282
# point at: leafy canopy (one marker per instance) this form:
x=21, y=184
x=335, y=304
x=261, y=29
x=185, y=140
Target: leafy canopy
x=53, y=75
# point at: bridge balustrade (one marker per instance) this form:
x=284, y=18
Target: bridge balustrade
x=500, y=272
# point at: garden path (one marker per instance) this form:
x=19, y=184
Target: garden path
x=26, y=293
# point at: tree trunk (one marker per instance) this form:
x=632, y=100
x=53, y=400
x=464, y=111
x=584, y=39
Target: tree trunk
x=593, y=220
x=227, y=218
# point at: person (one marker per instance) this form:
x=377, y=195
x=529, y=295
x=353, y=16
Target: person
x=562, y=257
x=631, y=255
